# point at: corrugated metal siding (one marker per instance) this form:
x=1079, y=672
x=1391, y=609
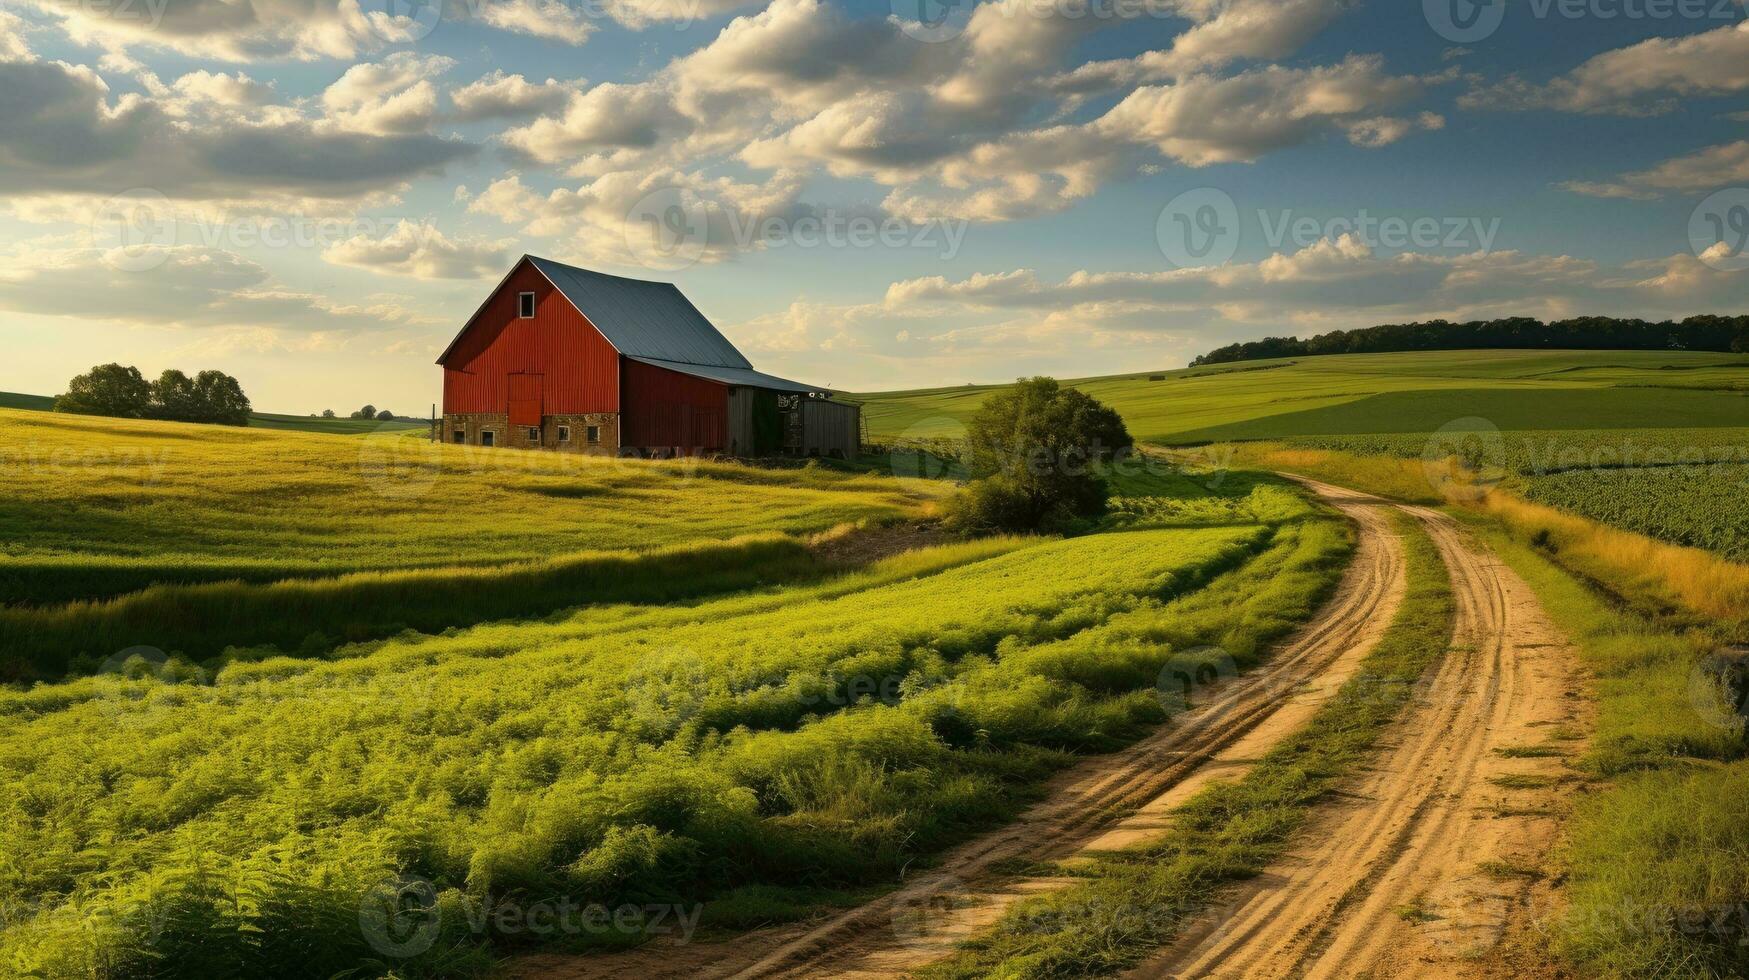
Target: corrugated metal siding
x=642, y=318
x=662, y=409
x=581, y=368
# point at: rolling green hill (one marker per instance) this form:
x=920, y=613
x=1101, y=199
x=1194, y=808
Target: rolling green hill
x=1381, y=393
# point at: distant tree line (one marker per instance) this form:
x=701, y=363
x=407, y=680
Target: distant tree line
x=120, y=391
x=1700, y=333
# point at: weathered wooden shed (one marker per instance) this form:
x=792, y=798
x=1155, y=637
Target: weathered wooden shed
x=568, y=359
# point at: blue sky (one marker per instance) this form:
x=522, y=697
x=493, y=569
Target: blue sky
x=314, y=194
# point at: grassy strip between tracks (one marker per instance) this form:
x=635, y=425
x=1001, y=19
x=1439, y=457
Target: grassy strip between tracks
x=1657, y=859
x=1129, y=903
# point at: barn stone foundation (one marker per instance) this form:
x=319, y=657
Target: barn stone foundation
x=559, y=433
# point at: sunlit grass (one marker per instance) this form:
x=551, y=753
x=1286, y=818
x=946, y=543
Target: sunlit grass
x=93, y=507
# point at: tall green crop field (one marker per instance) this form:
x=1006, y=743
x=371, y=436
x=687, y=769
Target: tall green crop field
x=737, y=759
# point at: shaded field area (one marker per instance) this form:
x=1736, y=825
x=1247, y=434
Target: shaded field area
x=93, y=508
x=755, y=754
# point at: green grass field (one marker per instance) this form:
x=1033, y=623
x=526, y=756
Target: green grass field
x=1646, y=441
x=753, y=755
x=494, y=680
x=92, y=508
x=1378, y=393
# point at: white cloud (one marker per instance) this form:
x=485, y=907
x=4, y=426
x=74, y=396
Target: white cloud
x=422, y=252
x=1221, y=33
x=65, y=135
x=1647, y=78
x=12, y=45
x=390, y=98
x=501, y=96
x=175, y=285
x=1703, y=170
x=1205, y=120
x=554, y=20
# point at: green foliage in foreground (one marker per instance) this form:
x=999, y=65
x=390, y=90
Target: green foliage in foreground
x=1131, y=902
x=745, y=752
x=1658, y=859
x=92, y=508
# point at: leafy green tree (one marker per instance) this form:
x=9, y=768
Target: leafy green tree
x=174, y=398
x=385, y=416
x=327, y=413
x=219, y=398
x=107, y=389
x=367, y=412
x=1035, y=452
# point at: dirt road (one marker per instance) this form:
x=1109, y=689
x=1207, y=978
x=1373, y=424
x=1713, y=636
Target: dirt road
x=1417, y=871
x=1085, y=806
x=1424, y=867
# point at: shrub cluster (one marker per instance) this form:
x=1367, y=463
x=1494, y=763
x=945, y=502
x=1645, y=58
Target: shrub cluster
x=120, y=391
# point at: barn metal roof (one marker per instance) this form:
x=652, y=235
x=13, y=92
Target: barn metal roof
x=745, y=377
x=643, y=319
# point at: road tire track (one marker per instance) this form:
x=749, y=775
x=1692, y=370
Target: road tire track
x=1424, y=867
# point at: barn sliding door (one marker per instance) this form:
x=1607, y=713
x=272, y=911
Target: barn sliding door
x=525, y=399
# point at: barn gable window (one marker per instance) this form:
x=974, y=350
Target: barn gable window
x=525, y=305
x=593, y=434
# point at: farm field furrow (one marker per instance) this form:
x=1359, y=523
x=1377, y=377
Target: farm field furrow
x=752, y=753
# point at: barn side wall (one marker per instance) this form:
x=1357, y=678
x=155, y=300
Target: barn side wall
x=579, y=369
x=665, y=411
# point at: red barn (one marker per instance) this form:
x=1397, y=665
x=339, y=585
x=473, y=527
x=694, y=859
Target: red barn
x=571, y=360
